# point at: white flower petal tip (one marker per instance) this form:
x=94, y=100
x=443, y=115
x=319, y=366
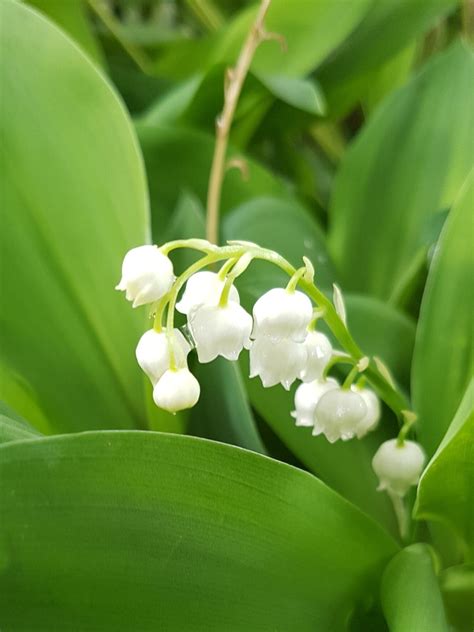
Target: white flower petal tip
x=280, y=314
x=318, y=354
x=398, y=467
x=153, y=352
x=204, y=288
x=147, y=275
x=276, y=362
x=372, y=418
x=220, y=331
x=176, y=390
x=307, y=396
x=339, y=412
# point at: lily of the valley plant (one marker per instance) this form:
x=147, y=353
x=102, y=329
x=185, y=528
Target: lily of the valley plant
x=283, y=341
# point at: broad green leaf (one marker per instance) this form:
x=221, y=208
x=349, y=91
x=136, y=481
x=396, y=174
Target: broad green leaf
x=411, y=597
x=445, y=491
x=457, y=585
x=311, y=31
x=282, y=225
x=75, y=201
x=180, y=159
x=71, y=16
x=387, y=78
x=442, y=363
x=173, y=533
x=223, y=412
x=386, y=29
x=408, y=163
x=13, y=427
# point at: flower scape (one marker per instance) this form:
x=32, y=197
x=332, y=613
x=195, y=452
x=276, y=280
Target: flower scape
x=283, y=341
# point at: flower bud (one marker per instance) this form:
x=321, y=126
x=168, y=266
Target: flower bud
x=276, y=361
x=398, y=466
x=220, y=330
x=204, y=288
x=318, y=354
x=153, y=353
x=338, y=414
x=307, y=397
x=372, y=418
x=176, y=390
x=281, y=314
x=147, y=275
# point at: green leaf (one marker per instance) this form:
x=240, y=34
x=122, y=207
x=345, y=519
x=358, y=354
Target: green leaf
x=311, y=31
x=171, y=532
x=75, y=201
x=457, y=585
x=223, y=412
x=443, y=352
x=336, y=464
x=445, y=488
x=13, y=427
x=71, y=16
x=345, y=76
x=180, y=159
x=387, y=78
x=303, y=94
x=408, y=163
x=411, y=598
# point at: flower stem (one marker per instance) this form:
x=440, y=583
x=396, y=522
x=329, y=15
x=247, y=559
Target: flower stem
x=236, y=78
x=401, y=514
x=388, y=393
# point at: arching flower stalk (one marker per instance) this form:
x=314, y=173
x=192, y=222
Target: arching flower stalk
x=282, y=338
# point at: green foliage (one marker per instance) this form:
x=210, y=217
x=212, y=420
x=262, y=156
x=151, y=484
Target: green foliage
x=354, y=149
x=446, y=488
x=407, y=164
x=69, y=216
x=411, y=597
x=442, y=363
x=136, y=522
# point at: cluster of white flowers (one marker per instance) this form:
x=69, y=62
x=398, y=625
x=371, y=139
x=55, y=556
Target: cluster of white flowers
x=284, y=346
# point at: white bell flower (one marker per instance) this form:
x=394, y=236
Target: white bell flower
x=319, y=351
x=276, y=361
x=177, y=389
x=338, y=414
x=220, y=330
x=307, y=397
x=372, y=418
x=204, y=288
x=398, y=466
x=153, y=353
x=147, y=275
x=281, y=314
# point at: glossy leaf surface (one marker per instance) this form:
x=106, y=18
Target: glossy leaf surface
x=162, y=531
x=74, y=202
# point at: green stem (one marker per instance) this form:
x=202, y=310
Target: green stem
x=401, y=514
x=160, y=308
x=351, y=376
x=393, y=398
